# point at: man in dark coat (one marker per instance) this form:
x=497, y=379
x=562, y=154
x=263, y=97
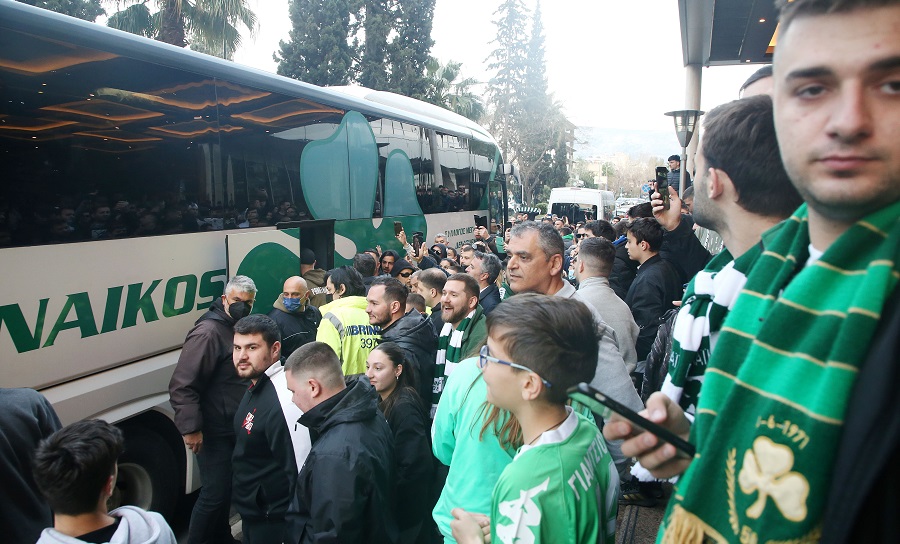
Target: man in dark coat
x=344, y=492
x=485, y=267
x=297, y=319
x=412, y=331
x=205, y=391
x=264, y=465
x=656, y=285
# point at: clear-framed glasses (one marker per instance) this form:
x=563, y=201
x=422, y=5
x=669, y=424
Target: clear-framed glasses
x=484, y=358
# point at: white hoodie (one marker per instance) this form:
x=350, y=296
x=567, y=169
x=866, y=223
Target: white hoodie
x=137, y=527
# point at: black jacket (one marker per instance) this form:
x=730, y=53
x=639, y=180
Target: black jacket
x=297, y=328
x=864, y=497
x=437, y=322
x=412, y=446
x=683, y=249
x=264, y=467
x=205, y=390
x=27, y=419
x=623, y=272
x=416, y=336
x=344, y=492
x=489, y=299
x=656, y=286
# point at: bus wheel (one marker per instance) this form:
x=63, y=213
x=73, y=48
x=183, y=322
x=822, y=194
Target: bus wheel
x=148, y=473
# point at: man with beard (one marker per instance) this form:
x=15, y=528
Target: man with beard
x=464, y=330
x=264, y=464
x=741, y=190
x=412, y=331
x=205, y=391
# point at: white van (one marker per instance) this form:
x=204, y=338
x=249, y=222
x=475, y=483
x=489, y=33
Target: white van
x=580, y=204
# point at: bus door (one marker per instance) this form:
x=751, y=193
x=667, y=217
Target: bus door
x=269, y=257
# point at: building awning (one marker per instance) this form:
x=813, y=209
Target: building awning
x=727, y=32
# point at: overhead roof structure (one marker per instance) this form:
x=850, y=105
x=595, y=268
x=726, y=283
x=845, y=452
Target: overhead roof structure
x=727, y=32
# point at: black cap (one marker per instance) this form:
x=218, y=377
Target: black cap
x=307, y=256
x=674, y=158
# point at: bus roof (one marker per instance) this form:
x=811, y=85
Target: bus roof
x=21, y=17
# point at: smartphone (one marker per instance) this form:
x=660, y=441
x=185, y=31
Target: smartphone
x=662, y=184
x=398, y=228
x=604, y=406
x=507, y=226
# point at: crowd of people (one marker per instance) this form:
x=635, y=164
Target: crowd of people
x=421, y=395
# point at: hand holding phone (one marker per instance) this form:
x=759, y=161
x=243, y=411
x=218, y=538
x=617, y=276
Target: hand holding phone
x=662, y=185
x=658, y=442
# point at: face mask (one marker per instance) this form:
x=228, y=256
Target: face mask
x=238, y=310
x=329, y=298
x=292, y=304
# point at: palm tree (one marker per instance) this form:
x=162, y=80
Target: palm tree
x=212, y=24
x=444, y=90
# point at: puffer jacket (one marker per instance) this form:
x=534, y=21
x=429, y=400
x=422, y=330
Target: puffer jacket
x=416, y=336
x=297, y=328
x=344, y=492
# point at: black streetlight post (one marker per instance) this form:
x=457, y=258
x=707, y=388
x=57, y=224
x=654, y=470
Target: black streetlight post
x=685, y=124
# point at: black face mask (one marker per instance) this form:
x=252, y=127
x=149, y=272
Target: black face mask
x=238, y=310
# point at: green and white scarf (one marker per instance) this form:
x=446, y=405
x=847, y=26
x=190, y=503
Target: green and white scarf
x=449, y=354
x=707, y=300
x=778, y=383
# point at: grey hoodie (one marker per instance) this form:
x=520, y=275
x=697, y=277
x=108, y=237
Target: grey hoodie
x=137, y=527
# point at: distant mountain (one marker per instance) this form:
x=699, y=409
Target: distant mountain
x=604, y=142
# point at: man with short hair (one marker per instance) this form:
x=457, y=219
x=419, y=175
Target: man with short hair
x=742, y=191
x=485, y=267
x=440, y=238
x=674, y=175
x=798, y=406
x=412, y=331
x=463, y=332
x=345, y=324
x=535, y=263
x=75, y=470
x=344, y=490
x=430, y=286
x=592, y=267
x=466, y=253
x=264, y=466
x=315, y=277
x=205, y=392
x=656, y=287
x=365, y=264
x=297, y=319
x=600, y=227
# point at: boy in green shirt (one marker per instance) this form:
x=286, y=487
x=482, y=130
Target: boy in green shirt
x=562, y=486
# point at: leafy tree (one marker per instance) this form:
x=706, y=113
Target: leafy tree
x=445, y=89
x=376, y=23
x=213, y=24
x=504, y=89
x=87, y=10
x=410, y=49
x=319, y=50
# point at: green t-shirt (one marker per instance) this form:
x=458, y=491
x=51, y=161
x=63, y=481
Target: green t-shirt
x=562, y=489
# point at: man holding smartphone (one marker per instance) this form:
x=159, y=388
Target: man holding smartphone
x=797, y=426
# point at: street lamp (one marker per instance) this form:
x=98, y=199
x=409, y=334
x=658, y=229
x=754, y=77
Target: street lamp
x=685, y=124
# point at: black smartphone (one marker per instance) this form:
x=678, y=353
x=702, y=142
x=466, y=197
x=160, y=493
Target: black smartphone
x=507, y=226
x=662, y=184
x=603, y=406
x=398, y=228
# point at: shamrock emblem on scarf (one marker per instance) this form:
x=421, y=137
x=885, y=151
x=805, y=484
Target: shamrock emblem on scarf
x=767, y=469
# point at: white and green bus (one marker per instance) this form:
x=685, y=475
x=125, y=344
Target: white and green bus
x=137, y=176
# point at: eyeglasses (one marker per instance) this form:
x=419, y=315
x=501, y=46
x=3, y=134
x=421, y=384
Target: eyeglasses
x=484, y=359
x=405, y=274
x=580, y=235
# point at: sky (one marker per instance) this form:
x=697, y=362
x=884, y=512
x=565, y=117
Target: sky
x=612, y=63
